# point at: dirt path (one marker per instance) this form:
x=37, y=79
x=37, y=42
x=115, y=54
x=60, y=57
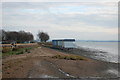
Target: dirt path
x=32, y=64
x=39, y=64
x=45, y=69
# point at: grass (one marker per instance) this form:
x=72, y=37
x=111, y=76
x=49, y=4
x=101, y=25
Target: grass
x=7, y=51
x=16, y=51
x=69, y=57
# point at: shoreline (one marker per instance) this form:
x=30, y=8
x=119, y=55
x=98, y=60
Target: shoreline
x=40, y=61
x=82, y=52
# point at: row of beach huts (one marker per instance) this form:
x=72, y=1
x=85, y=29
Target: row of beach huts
x=64, y=43
x=59, y=43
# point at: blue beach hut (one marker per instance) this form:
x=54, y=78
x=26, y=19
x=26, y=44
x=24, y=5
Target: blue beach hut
x=64, y=43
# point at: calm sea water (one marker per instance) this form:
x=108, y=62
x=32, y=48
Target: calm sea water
x=110, y=49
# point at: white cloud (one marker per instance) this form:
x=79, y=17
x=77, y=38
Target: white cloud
x=60, y=0
x=56, y=18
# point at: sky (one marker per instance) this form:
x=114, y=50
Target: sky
x=79, y=20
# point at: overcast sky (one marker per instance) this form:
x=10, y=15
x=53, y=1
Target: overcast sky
x=82, y=20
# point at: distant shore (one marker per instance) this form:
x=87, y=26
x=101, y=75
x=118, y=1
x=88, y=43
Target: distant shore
x=42, y=62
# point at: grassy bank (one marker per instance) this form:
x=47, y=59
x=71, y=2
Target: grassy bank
x=7, y=51
x=16, y=51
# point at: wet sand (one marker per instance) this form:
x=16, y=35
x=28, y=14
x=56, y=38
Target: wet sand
x=40, y=64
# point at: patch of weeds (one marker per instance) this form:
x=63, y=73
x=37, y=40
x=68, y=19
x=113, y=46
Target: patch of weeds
x=7, y=51
x=27, y=50
x=69, y=57
x=21, y=52
x=14, y=49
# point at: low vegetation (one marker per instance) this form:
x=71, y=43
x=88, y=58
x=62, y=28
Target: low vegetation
x=15, y=51
x=7, y=51
x=45, y=44
x=69, y=57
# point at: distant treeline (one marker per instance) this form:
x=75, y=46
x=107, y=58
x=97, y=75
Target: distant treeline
x=14, y=36
x=97, y=41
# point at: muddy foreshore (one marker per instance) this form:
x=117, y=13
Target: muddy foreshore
x=40, y=64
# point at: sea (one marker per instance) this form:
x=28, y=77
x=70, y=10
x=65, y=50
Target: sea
x=106, y=50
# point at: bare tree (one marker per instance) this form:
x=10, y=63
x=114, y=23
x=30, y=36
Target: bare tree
x=20, y=37
x=43, y=36
x=25, y=36
x=2, y=35
x=12, y=36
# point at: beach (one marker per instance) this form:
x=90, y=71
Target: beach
x=40, y=63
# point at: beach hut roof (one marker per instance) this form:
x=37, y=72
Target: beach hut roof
x=64, y=40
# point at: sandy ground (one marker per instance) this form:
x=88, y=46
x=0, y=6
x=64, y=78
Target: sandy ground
x=39, y=64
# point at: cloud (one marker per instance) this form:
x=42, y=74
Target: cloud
x=60, y=0
x=60, y=17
